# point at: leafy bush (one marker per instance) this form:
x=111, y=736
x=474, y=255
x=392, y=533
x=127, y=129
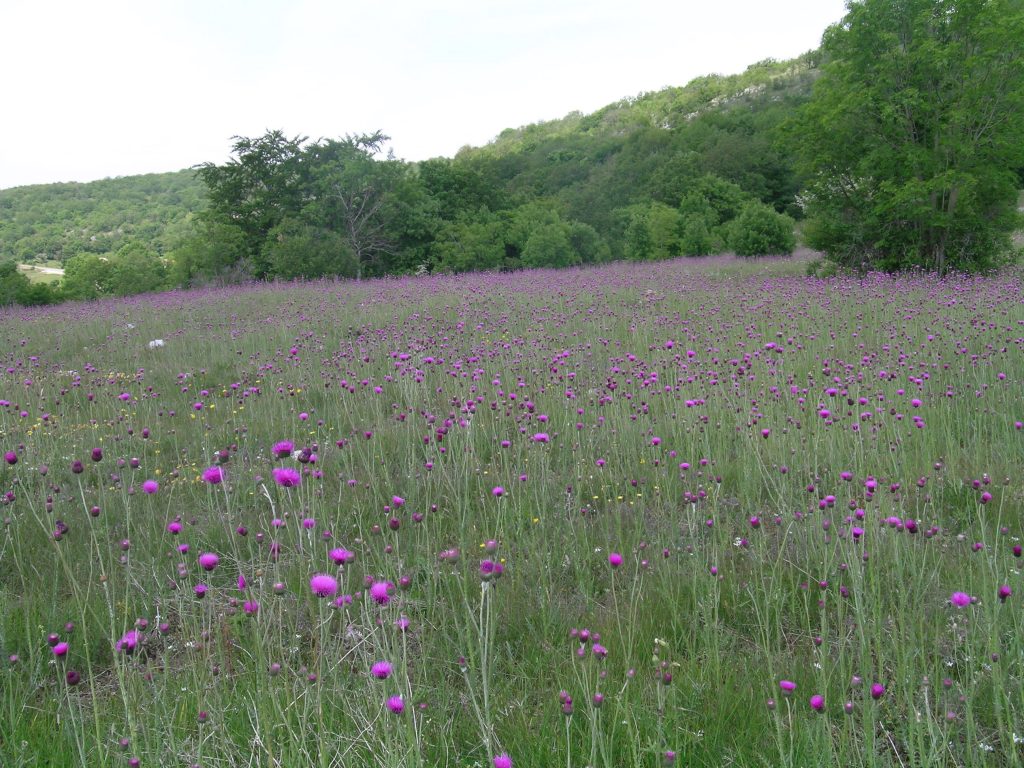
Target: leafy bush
x=760, y=231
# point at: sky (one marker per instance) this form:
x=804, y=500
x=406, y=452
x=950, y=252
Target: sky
x=111, y=88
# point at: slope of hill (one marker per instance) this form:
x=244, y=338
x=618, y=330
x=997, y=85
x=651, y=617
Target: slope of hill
x=47, y=222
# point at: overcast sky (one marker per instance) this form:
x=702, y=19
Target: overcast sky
x=112, y=88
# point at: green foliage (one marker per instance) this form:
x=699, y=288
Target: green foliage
x=760, y=231
x=57, y=221
x=911, y=141
x=87, y=277
x=297, y=249
x=136, y=269
x=213, y=250
x=652, y=232
x=696, y=238
x=549, y=246
x=133, y=269
x=13, y=284
x=461, y=246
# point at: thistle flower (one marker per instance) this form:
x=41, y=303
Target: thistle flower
x=128, y=643
x=323, y=585
x=341, y=556
x=787, y=687
x=396, y=704
x=380, y=592
x=286, y=477
x=283, y=449
x=818, y=702
x=503, y=761
x=614, y=559
x=208, y=561
x=877, y=690
x=213, y=475
x=150, y=486
x=381, y=670
x=960, y=599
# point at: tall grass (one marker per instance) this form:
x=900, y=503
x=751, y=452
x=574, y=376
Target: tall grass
x=592, y=517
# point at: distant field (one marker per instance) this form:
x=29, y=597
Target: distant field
x=701, y=512
x=41, y=274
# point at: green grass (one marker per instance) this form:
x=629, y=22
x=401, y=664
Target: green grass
x=707, y=613
x=37, y=275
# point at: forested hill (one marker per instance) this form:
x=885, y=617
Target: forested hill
x=57, y=221
x=652, y=147
x=591, y=168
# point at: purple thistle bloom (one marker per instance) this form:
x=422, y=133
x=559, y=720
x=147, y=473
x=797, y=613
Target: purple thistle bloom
x=11, y=457
x=498, y=492
x=200, y=590
x=208, y=561
x=286, y=477
x=323, y=585
x=128, y=642
x=614, y=559
x=283, y=449
x=503, y=761
x=213, y=475
x=1004, y=592
x=60, y=649
x=380, y=592
x=818, y=702
x=396, y=704
x=787, y=687
x=381, y=670
x=877, y=690
x=341, y=556
x=151, y=486
x=960, y=599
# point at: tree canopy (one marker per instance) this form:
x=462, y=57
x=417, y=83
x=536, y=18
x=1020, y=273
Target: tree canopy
x=912, y=142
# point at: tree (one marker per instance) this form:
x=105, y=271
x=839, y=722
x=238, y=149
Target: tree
x=136, y=269
x=470, y=245
x=13, y=284
x=298, y=249
x=87, y=277
x=352, y=194
x=549, y=246
x=761, y=231
x=652, y=232
x=911, y=140
x=262, y=184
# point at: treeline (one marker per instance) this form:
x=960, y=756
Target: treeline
x=682, y=171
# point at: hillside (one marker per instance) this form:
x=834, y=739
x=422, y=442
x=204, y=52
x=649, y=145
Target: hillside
x=53, y=222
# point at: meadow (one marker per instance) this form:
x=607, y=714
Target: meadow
x=702, y=512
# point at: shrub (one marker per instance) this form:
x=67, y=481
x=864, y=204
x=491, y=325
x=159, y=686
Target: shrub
x=760, y=231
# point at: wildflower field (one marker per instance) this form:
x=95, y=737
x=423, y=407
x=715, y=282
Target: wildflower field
x=698, y=512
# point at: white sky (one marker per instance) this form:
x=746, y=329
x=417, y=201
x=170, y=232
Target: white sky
x=112, y=88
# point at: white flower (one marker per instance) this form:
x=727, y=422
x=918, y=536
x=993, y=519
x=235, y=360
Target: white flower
x=156, y=343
